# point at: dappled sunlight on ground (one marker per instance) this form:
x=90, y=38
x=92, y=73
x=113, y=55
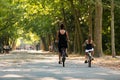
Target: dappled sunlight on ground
x=12, y=75
x=41, y=65
x=108, y=62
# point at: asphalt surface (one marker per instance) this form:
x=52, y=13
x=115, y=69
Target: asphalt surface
x=37, y=65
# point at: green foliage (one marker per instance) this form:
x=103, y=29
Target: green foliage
x=107, y=26
x=117, y=28
x=42, y=17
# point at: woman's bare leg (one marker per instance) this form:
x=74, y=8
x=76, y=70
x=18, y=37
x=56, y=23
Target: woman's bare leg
x=59, y=58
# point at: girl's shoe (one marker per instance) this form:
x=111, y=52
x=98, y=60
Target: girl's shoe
x=86, y=61
x=59, y=62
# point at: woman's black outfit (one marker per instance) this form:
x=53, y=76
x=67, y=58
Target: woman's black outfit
x=62, y=42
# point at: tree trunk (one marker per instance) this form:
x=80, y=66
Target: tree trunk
x=112, y=29
x=90, y=20
x=13, y=46
x=43, y=44
x=98, y=28
x=78, y=34
x=63, y=13
x=75, y=41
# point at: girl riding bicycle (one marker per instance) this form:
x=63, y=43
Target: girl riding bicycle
x=89, y=46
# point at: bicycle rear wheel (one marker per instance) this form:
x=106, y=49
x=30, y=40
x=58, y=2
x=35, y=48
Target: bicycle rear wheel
x=63, y=56
x=63, y=60
x=89, y=63
x=89, y=60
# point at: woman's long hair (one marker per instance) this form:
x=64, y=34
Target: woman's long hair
x=62, y=26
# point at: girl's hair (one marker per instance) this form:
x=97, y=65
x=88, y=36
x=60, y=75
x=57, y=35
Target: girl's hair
x=89, y=38
x=61, y=26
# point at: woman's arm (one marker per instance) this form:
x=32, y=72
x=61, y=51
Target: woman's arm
x=67, y=36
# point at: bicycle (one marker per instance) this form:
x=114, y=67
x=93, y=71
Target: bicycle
x=63, y=53
x=89, y=58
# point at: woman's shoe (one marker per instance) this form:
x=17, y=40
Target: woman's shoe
x=59, y=62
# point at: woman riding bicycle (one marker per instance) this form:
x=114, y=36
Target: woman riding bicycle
x=89, y=46
x=62, y=39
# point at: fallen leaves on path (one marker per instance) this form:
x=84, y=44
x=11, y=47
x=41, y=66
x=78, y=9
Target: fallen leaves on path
x=108, y=62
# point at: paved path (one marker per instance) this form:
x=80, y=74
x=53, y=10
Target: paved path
x=31, y=66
